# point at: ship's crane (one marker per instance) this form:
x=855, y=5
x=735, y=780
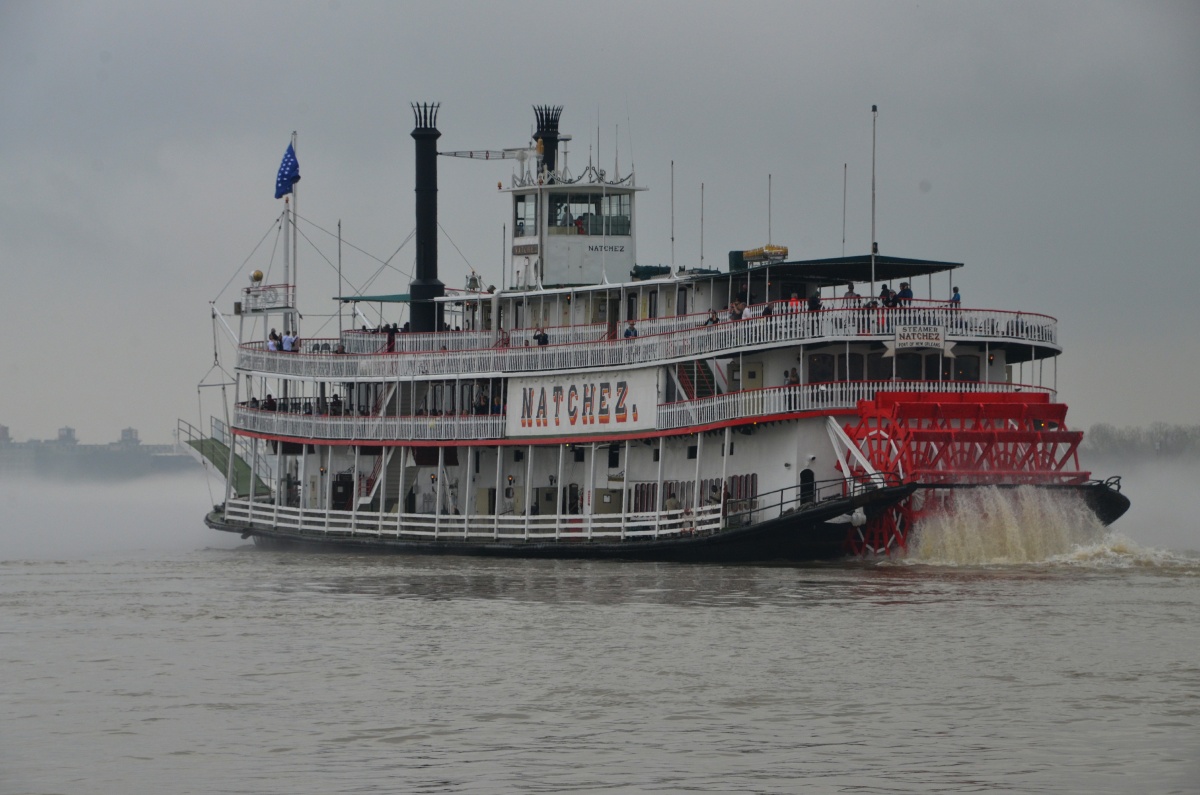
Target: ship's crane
x=521, y=154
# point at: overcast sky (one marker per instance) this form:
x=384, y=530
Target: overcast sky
x=1054, y=148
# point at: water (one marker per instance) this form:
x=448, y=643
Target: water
x=210, y=670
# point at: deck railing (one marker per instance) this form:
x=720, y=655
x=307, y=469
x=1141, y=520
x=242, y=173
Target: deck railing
x=712, y=516
x=770, y=401
x=778, y=400
x=481, y=527
x=684, y=342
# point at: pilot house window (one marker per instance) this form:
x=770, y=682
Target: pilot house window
x=591, y=213
x=525, y=223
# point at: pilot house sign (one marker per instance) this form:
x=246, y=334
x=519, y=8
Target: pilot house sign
x=583, y=403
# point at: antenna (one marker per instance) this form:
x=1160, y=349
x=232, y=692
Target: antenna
x=844, y=167
x=672, y=215
x=769, y=241
x=874, y=243
x=701, y=224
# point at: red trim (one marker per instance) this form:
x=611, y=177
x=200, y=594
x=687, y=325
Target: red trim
x=549, y=441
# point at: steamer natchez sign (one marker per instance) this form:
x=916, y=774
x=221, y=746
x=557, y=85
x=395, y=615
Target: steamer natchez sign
x=602, y=402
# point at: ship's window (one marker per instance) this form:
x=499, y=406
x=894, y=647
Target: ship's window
x=578, y=455
x=878, y=368
x=591, y=213
x=691, y=452
x=631, y=306
x=614, y=456
x=966, y=368
x=652, y=304
x=908, y=366
x=525, y=223
x=615, y=211
x=681, y=303
x=820, y=367
x=852, y=370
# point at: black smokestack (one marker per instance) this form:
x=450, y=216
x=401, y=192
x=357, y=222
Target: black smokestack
x=547, y=133
x=425, y=314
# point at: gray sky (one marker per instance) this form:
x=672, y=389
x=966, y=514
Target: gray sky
x=1052, y=147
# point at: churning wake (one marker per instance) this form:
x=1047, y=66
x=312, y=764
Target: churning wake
x=993, y=526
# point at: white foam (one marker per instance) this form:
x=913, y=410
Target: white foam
x=994, y=526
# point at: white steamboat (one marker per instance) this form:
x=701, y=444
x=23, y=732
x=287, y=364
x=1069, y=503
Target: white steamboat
x=591, y=407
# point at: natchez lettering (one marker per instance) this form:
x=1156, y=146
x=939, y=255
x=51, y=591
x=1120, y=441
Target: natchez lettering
x=583, y=404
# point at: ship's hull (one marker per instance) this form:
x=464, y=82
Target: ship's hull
x=804, y=535
x=815, y=533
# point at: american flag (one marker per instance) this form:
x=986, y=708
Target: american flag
x=289, y=173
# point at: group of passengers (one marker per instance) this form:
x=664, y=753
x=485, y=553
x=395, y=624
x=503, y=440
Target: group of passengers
x=288, y=341
x=332, y=407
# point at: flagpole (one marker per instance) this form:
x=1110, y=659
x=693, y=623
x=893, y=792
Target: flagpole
x=294, y=321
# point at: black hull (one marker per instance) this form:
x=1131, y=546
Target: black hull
x=804, y=535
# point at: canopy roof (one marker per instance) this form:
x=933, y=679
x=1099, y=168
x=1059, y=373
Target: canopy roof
x=858, y=268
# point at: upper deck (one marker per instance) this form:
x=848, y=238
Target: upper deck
x=659, y=341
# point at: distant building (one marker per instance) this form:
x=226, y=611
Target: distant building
x=65, y=457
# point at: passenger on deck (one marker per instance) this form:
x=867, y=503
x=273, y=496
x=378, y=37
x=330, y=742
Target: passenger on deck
x=269, y=404
x=793, y=378
x=955, y=299
x=631, y=331
x=814, y=301
x=794, y=303
x=541, y=336
x=905, y=296
x=712, y=318
x=851, y=297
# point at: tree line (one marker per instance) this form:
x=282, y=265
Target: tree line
x=1158, y=440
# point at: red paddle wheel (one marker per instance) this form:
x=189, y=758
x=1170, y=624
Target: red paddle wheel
x=949, y=439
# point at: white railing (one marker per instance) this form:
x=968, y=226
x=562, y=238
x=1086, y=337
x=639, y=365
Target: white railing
x=484, y=527
x=702, y=340
x=770, y=401
x=810, y=397
x=306, y=426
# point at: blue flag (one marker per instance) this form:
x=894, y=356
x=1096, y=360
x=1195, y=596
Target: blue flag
x=289, y=173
